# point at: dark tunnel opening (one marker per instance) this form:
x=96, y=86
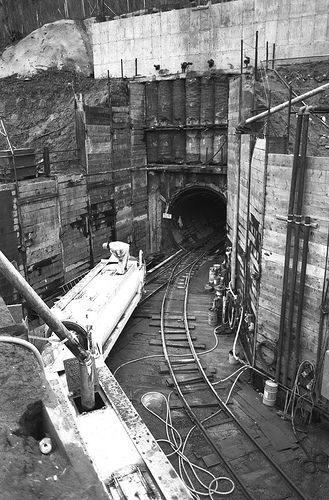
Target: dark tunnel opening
x=198, y=214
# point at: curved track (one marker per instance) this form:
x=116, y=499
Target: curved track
x=177, y=286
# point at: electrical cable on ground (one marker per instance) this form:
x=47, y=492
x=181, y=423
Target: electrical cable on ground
x=179, y=448
x=26, y=344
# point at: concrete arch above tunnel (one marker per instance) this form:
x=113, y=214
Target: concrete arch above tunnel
x=198, y=213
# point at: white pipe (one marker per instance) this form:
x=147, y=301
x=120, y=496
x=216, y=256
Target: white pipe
x=163, y=262
x=285, y=104
x=26, y=344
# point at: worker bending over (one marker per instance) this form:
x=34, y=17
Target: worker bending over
x=120, y=250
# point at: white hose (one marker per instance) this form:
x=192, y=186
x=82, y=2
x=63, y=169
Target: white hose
x=26, y=344
x=175, y=441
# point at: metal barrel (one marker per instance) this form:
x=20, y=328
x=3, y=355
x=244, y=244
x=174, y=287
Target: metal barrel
x=178, y=101
x=207, y=100
x=193, y=94
x=221, y=99
x=213, y=316
x=151, y=98
x=206, y=145
x=152, y=146
x=165, y=102
x=192, y=146
x=270, y=392
x=178, y=147
x=165, y=147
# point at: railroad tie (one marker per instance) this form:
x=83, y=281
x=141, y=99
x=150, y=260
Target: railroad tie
x=186, y=380
x=177, y=344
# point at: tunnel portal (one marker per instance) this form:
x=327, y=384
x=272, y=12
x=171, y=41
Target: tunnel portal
x=198, y=214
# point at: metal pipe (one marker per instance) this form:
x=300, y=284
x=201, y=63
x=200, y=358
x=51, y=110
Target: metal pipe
x=38, y=305
x=297, y=221
x=256, y=55
x=291, y=302
x=163, y=262
x=285, y=104
x=307, y=226
x=273, y=55
x=266, y=64
x=87, y=381
x=288, y=243
x=289, y=119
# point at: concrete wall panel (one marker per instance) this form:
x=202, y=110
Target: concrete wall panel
x=296, y=26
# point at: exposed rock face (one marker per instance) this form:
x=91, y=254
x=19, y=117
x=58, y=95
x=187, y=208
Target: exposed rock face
x=62, y=45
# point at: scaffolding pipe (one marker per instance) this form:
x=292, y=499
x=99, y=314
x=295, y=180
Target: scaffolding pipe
x=285, y=104
x=38, y=305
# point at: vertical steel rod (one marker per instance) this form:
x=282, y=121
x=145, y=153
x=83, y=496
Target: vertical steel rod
x=299, y=319
x=273, y=56
x=297, y=223
x=266, y=66
x=121, y=68
x=289, y=119
x=256, y=55
x=288, y=245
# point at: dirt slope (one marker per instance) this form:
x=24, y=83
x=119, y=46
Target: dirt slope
x=39, y=111
x=64, y=44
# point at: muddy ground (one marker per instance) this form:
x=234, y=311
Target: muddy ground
x=25, y=473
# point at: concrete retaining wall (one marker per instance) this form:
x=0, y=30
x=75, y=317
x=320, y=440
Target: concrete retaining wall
x=297, y=27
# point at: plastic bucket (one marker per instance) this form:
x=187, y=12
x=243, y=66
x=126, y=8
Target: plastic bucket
x=270, y=392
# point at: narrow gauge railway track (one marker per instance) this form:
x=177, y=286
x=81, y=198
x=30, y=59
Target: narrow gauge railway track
x=157, y=278
x=285, y=487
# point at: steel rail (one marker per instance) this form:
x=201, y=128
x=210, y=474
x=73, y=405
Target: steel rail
x=189, y=410
x=224, y=407
x=180, y=257
x=163, y=284
x=163, y=267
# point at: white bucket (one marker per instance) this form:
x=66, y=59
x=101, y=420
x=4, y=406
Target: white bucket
x=270, y=392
